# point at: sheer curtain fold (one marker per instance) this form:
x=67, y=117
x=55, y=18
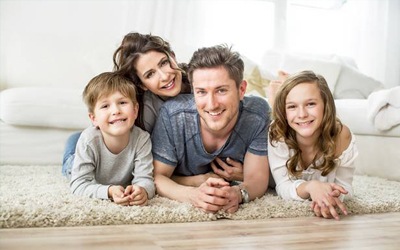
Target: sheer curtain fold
x=375, y=28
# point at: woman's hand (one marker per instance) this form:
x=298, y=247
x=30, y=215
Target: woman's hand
x=231, y=170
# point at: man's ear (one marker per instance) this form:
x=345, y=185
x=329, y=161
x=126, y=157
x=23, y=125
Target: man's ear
x=242, y=89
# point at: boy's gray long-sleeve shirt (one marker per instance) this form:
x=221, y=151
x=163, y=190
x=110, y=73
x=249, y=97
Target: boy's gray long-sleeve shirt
x=96, y=168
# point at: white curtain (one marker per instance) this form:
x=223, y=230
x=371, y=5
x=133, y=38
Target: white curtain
x=366, y=30
x=73, y=40
x=374, y=33
x=177, y=21
x=190, y=24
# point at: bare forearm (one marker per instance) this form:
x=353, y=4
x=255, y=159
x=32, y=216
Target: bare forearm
x=255, y=175
x=256, y=185
x=193, y=181
x=172, y=190
x=255, y=189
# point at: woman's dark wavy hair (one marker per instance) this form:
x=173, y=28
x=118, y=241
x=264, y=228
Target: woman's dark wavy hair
x=132, y=47
x=330, y=125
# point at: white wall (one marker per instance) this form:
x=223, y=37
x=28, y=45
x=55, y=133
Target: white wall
x=67, y=42
x=57, y=43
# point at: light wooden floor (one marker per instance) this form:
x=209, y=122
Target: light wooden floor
x=378, y=231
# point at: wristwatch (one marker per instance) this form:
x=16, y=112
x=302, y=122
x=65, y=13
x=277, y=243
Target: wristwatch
x=245, y=195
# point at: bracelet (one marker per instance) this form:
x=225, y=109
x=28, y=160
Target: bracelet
x=245, y=195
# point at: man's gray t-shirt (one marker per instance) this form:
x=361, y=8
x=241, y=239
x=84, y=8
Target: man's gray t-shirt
x=176, y=137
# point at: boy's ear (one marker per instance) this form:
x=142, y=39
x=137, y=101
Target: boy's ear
x=93, y=119
x=136, y=109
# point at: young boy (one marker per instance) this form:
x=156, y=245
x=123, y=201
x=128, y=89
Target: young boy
x=113, y=158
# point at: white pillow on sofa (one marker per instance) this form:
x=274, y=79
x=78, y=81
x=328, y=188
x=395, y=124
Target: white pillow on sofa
x=44, y=107
x=352, y=84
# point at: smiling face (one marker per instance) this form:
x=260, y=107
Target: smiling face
x=114, y=115
x=217, y=99
x=305, y=110
x=158, y=75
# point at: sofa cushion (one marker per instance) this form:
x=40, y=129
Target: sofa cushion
x=44, y=107
x=351, y=83
x=354, y=114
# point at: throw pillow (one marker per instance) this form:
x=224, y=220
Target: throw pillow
x=255, y=79
x=352, y=84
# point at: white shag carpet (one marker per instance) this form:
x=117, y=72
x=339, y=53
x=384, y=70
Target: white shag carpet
x=38, y=196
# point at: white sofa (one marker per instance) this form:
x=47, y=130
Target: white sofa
x=36, y=121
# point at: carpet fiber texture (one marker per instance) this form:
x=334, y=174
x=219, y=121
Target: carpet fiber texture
x=38, y=196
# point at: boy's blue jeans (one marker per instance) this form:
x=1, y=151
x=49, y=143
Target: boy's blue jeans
x=69, y=154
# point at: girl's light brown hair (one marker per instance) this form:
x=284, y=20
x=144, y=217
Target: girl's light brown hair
x=330, y=125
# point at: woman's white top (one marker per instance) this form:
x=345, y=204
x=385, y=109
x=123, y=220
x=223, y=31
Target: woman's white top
x=286, y=185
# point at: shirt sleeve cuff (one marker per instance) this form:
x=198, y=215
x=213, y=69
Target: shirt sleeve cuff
x=293, y=190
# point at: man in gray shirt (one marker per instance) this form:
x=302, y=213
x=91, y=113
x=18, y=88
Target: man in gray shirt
x=194, y=131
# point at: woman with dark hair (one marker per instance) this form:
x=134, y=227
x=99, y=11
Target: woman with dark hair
x=149, y=62
x=151, y=65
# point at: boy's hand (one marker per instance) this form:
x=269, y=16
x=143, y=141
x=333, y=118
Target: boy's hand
x=116, y=193
x=137, y=195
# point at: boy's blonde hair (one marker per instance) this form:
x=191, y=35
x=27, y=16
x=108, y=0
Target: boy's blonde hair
x=105, y=84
